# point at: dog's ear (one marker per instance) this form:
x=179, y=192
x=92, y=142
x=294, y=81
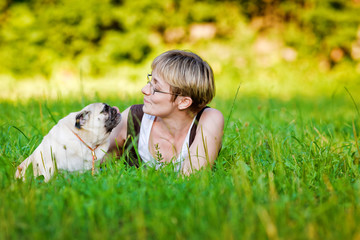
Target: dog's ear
x=81, y=119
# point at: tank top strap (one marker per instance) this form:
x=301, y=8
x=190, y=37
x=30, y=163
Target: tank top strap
x=194, y=127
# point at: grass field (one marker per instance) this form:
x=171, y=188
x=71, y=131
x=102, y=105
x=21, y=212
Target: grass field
x=287, y=170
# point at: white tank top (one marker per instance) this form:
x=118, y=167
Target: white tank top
x=143, y=147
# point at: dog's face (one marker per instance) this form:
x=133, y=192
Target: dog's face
x=97, y=118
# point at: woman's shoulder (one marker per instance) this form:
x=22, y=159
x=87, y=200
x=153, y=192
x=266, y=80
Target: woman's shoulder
x=134, y=110
x=211, y=120
x=136, y=107
x=211, y=115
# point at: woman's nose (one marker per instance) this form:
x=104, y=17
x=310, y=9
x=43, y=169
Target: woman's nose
x=146, y=89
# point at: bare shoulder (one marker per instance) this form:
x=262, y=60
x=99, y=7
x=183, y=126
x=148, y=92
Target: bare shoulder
x=213, y=117
x=211, y=122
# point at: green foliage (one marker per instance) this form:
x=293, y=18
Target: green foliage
x=333, y=23
x=38, y=35
x=287, y=170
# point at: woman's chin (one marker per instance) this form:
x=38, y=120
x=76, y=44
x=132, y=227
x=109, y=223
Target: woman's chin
x=146, y=109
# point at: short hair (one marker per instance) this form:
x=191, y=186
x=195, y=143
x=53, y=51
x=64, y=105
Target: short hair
x=188, y=75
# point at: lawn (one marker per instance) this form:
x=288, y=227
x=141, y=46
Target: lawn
x=289, y=164
x=287, y=170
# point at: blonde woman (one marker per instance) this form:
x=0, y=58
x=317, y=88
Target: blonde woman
x=174, y=124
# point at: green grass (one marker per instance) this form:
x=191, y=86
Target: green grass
x=287, y=170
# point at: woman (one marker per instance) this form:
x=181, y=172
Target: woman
x=173, y=125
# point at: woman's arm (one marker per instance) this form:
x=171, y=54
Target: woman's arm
x=207, y=143
x=119, y=134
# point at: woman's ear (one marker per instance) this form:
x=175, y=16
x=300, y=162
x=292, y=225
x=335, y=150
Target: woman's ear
x=184, y=102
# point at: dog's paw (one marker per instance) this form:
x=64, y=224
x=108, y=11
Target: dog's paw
x=18, y=172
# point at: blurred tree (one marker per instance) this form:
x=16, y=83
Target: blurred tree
x=94, y=34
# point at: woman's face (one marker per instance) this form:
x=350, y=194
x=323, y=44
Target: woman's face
x=157, y=104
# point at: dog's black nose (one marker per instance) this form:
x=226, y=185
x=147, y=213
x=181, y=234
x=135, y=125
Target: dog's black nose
x=113, y=112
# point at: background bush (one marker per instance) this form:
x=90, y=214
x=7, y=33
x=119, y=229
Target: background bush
x=36, y=36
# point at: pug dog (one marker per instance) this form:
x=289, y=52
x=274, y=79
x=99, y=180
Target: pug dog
x=74, y=143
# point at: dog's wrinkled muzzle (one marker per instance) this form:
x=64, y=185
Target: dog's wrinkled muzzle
x=113, y=119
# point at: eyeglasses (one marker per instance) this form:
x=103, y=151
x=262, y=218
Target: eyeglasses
x=153, y=89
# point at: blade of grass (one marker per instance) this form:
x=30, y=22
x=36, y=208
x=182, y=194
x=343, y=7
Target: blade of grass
x=51, y=115
x=356, y=142
x=356, y=107
x=20, y=132
x=232, y=107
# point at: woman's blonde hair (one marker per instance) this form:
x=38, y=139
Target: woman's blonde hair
x=188, y=75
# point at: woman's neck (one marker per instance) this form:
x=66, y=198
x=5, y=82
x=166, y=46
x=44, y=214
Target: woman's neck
x=176, y=125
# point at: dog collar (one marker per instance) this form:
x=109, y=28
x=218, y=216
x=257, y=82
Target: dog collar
x=92, y=152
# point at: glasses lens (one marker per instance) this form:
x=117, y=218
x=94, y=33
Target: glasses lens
x=149, y=82
x=152, y=89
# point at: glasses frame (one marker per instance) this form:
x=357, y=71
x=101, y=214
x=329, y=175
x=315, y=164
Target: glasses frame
x=154, y=90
